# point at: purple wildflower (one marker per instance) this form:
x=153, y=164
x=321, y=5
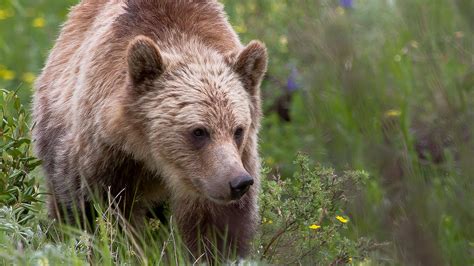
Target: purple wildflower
x=346, y=3
x=291, y=84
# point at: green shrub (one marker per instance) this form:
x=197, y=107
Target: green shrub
x=303, y=218
x=18, y=188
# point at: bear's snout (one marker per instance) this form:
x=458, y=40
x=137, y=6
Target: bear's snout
x=239, y=186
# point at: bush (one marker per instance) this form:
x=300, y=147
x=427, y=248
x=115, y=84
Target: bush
x=18, y=188
x=303, y=218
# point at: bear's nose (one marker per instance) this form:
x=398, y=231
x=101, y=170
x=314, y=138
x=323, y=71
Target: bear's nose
x=239, y=186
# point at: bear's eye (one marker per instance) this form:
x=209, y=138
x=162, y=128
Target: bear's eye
x=239, y=133
x=199, y=137
x=199, y=133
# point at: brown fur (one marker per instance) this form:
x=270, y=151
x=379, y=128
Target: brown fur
x=122, y=88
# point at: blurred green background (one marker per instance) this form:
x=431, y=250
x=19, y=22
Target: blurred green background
x=385, y=86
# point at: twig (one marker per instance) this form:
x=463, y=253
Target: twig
x=276, y=236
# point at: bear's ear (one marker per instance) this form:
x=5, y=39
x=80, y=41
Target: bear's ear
x=251, y=65
x=145, y=63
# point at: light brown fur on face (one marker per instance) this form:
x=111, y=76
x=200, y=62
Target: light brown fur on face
x=124, y=90
x=199, y=90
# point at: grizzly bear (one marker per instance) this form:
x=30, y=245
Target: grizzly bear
x=154, y=101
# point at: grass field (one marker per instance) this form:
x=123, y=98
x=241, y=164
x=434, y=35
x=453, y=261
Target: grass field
x=381, y=91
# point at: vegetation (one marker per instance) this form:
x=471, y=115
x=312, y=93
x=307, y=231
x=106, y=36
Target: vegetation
x=385, y=87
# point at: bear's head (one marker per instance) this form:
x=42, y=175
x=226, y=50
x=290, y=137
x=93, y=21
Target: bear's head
x=199, y=114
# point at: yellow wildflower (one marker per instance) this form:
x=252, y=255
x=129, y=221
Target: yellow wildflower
x=414, y=44
x=252, y=7
x=240, y=9
x=276, y=7
x=342, y=219
x=350, y=260
x=43, y=262
x=241, y=28
x=270, y=161
x=28, y=77
x=365, y=262
x=6, y=13
x=283, y=40
x=314, y=227
x=39, y=22
x=7, y=74
x=3, y=14
x=393, y=113
x=340, y=11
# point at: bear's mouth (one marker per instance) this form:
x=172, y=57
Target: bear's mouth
x=200, y=189
x=220, y=200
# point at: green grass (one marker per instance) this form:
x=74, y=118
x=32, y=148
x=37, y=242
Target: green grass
x=385, y=86
x=316, y=232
